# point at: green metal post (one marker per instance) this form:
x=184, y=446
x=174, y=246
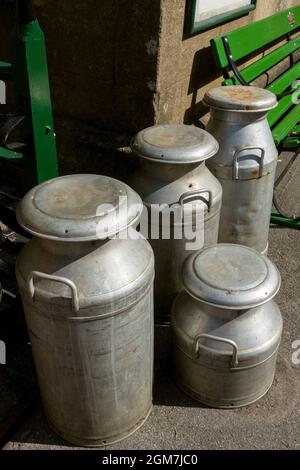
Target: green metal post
x=30, y=73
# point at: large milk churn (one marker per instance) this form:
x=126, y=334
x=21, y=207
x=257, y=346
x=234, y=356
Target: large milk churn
x=182, y=200
x=88, y=302
x=226, y=328
x=245, y=163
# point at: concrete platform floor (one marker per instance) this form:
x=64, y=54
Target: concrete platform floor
x=178, y=422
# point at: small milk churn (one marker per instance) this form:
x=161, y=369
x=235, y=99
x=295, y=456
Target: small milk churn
x=245, y=163
x=182, y=200
x=226, y=329
x=88, y=303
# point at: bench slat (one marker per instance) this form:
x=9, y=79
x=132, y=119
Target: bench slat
x=286, y=125
x=264, y=64
x=250, y=38
x=285, y=80
x=280, y=84
x=283, y=106
x=219, y=53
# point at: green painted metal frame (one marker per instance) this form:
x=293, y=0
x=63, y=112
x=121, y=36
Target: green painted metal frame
x=9, y=154
x=284, y=120
x=280, y=220
x=29, y=73
x=191, y=26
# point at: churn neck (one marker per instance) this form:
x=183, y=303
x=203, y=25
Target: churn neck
x=168, y=171
x=69, y=249
x=237, y=117
x=221, y=313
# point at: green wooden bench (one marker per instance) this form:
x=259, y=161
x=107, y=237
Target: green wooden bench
x=241, y=44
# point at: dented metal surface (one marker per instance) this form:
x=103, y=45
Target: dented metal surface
x=89, y=311
x=245, y=165
x=181, y=178
x=226, y=327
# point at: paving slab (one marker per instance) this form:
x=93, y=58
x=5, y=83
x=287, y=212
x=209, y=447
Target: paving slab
x=178, y=422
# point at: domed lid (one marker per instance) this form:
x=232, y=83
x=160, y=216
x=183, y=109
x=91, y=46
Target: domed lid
x=230, y=276
x=174, y=143
x=240, y=98
x=79, y=208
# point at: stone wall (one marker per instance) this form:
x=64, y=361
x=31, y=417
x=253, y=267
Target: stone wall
x=102, y=59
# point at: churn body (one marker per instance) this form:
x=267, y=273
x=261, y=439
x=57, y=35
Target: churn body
x=245, y=164
x=88, y=303
x=226, y=328
x=172, y=174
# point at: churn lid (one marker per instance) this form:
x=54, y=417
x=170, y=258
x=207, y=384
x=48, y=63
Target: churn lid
x=230, y=276
x=174, y=143
x=79, y=207
x=240, y=98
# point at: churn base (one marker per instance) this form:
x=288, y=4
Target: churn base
x=214, y=404
x=102, y=442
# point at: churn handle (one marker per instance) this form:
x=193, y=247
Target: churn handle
x=195, y=193
x=36, y=274
x=236, y=158
x=197, y=345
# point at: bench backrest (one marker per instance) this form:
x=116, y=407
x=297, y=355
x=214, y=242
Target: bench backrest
x=255, y=36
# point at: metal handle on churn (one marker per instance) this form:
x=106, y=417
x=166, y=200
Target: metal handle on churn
x=197, y=345
x=236, y=160
x=197, y=193
x=36, y=274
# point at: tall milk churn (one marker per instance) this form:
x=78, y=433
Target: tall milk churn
x=246, y=162
x=87, y=296
x=182, y=201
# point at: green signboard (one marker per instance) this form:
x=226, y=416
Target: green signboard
x=205, y=14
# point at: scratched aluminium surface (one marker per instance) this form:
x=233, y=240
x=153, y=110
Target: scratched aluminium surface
x=178, y=422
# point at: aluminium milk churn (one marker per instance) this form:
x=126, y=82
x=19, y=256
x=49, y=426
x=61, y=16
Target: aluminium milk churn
x=88, y=303
x=245, y=163
x=182, y=201
x=226, y=328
